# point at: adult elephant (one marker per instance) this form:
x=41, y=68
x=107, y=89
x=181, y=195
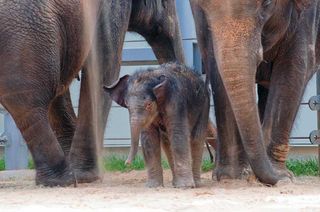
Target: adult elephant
x=43, y=45
x=235, y=37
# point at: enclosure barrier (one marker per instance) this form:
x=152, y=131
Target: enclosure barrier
x=314, y=104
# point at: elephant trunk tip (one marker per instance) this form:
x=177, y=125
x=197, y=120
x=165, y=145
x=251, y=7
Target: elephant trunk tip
x=128, y=161
x=132, y=154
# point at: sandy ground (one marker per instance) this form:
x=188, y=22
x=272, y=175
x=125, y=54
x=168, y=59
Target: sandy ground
x=126, y=192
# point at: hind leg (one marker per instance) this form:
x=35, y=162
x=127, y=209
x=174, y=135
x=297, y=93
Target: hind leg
x=197, y=146
x=63, y=120
x=29, y=110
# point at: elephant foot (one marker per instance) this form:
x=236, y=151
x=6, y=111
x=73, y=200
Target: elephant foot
x=197, y=182
x=59, y=175
x=183, y=182
x=228, y=172
x=86, y=171
x=278, y=153
x=154, y=183
x=283, y=171
x=87, y=176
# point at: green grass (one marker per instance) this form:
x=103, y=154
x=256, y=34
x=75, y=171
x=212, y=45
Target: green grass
x=117, y=163
x=30, y=164
x=298, y=167
x=207, y=165
x=2, y=165
x=303, y=167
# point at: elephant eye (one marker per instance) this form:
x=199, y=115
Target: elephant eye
x=266, y=3
x=148, y=106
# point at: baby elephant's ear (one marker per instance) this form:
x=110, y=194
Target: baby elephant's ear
x=160, y=90
x=117, y=90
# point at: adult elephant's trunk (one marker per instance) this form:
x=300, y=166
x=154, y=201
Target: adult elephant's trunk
x=238, y=51
x=135, y=135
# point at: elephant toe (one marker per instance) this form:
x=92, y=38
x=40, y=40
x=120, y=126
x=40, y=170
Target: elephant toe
x=284, y=181
x=226, y=173
x=87, y=176
x=63, y=180
x=183, y=183
x=154, y=183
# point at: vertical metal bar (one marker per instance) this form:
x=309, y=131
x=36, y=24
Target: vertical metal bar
x=318, y=119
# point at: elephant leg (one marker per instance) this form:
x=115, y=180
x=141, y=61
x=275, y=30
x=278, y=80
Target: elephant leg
x=197, y=138
x=197, y=146
x=165, y=144
x=63, y=120
x=30, y=114
x=231, y=161
x=151, y=148
x=286, y=90
x=102, y=68
x=179, y=137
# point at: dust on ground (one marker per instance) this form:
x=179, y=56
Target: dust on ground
x=126, y=192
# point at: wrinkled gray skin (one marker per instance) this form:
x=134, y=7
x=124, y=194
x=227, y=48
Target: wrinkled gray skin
x=168, y=106
x=234, y=37
x=43, y=45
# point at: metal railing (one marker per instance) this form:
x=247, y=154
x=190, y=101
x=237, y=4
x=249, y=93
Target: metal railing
x=314, y=104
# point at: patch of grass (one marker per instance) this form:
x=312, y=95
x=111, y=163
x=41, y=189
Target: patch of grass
x=117, y=163
x=30, y=164
x=2, y=165
x=207, y=165
x=165, y=164
x=303, y=167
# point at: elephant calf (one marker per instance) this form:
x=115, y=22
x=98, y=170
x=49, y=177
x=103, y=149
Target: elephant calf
x=168, y=106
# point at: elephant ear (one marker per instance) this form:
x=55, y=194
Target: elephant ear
x=117, y=90
x=301, y=5
x=160, y=90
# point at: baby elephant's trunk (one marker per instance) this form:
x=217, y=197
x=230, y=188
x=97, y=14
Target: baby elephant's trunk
x=135, y=135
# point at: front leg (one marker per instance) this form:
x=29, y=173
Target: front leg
x=179, y=136
x=151, y=148
x=230, y=155
x=102, y=68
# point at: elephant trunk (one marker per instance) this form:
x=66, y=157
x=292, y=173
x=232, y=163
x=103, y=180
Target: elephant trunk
x=135, y=135
x=237, y=61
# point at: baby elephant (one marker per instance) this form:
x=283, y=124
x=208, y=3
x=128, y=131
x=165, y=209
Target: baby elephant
x=168, y=106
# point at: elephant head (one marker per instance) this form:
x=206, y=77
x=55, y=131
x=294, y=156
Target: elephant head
x=142, y=97
x=241, y=32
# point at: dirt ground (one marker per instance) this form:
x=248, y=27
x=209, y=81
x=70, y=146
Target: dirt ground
x=126, y=192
